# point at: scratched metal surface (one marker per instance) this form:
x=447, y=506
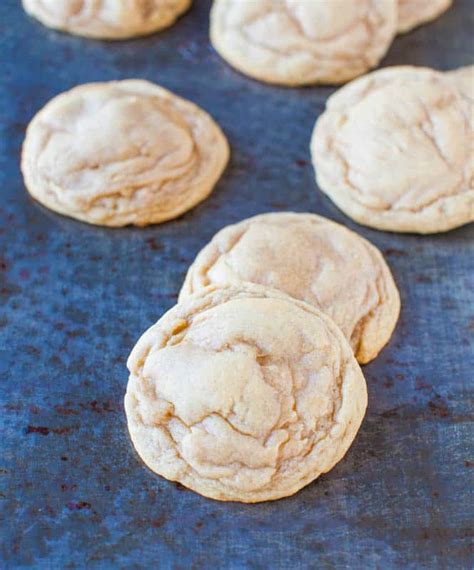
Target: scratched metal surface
x=75, y=298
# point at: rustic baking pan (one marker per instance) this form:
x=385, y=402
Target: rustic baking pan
x=74, y=299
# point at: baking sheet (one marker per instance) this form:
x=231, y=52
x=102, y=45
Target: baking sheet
x=74, y=299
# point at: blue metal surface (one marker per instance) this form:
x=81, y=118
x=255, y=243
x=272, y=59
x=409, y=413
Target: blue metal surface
x=74, y=299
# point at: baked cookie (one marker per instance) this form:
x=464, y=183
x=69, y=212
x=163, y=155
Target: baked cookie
x=413, y=13
x=313, y=260
x=398, y=163
x=124, y=152
x=463, y=78
x=243, y=394
x=300, y=42
x=107, y=20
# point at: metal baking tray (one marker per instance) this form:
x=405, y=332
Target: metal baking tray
x=75, y=298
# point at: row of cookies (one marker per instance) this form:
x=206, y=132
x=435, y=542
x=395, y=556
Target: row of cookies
x=250, y=387
x=247, y=390
x=131, y=152
x=240, y=392
x=287, y=42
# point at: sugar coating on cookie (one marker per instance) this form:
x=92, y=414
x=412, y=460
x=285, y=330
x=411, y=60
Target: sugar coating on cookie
x=313, y=260
x=243, y=394
x=124, y=152
x=394, y=150
x=103, y=19
x=299, y=42
x=413, y=13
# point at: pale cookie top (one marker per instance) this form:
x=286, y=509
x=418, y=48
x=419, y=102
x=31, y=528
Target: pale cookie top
x=124, y=152
x=311, y=259
x=412, y=13
x=116, y=19
x=394, y=150
x=243, y=394
x=298, y=42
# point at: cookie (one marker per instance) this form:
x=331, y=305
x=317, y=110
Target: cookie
x=243, y=394
x=398, y=163
x=413, y=13
x=313, y=260
x=300, y=42
x=124, y=152
x=463, y=79
x=106, y=20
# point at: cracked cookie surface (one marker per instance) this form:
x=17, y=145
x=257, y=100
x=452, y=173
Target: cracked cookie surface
x=314, y=260
x=300, y=42
x=102, y=19
x=413, y=13
x=398, y=163
x=243, y=394
x=123, y=152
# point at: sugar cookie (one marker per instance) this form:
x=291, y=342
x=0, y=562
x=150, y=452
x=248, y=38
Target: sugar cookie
x=394, y=150
x=311, y=259
x=124, y=152
x=243, y=394
x=102, y=19
x=300, y=42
